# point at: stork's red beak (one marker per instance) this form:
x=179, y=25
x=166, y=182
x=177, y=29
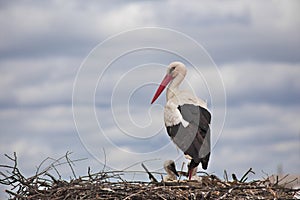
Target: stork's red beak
x=162, y=86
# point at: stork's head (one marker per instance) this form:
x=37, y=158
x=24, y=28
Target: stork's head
x=175, y=69
x=169, y=166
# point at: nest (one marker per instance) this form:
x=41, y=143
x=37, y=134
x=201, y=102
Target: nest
x=111, y=185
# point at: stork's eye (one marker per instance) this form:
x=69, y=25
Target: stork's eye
x=172, y=69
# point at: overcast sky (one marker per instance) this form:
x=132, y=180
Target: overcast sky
x=255, y=46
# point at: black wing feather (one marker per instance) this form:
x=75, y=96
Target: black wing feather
x=193, y=140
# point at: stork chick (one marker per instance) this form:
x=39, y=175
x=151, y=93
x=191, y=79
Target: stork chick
x=170, y=168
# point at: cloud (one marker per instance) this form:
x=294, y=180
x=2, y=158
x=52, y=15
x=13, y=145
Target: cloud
x=36, y=82
x=55, y=28
x=230, y=32
x=275, y=83
x=239, y=31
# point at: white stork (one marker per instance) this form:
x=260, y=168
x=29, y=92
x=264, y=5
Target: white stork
x=170, y=168
x=186, y=118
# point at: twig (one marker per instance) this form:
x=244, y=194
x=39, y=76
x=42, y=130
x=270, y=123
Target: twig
x=134, y=194
x=151, y=177
x=283, y=178
x=104, y=166
x=14, y=194
x=54, y=168
x=225, y=176
x=160, y=196
x=137, y=163
x=244, y=177
x=70, y=164
x=183, y=163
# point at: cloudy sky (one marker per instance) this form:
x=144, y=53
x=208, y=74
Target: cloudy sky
x=98, y=52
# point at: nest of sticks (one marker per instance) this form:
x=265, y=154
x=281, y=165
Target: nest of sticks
x=48, y=184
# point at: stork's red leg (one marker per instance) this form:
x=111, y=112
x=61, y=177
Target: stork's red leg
x=190, y=173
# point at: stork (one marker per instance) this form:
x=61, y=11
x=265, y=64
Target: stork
x=186, y=118
x=169, y=166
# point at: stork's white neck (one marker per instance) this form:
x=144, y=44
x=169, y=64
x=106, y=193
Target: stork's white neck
x=174, y=86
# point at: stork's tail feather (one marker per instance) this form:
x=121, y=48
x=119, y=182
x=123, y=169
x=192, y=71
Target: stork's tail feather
x=204, y=161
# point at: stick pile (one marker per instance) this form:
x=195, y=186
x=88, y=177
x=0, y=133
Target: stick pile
x=111, y=185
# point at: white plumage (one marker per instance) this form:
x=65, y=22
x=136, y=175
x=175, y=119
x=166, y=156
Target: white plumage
x=172, y=115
